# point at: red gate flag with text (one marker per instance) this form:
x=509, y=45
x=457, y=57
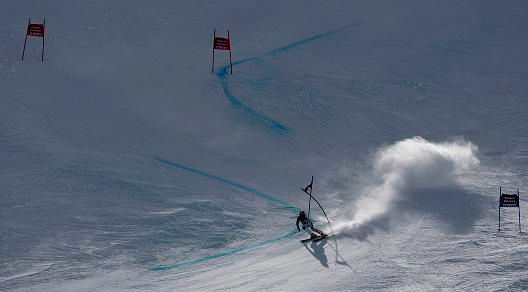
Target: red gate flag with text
x=221, y=44
x=35, y=29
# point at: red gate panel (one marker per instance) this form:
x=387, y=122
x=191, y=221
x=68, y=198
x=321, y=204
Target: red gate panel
x=36, y=30
x=221, y=44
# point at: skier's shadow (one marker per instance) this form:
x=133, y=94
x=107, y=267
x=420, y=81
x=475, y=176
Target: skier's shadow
x=317, y=250
x=338, y=255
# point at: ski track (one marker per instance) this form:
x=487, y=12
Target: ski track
x=262, y=195
x=231, y=251
x=228, y=252
x=222, y=75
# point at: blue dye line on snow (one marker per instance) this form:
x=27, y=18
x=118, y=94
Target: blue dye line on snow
x=228, y=252
x=262, y=195
x=275, y=125
x=302, y=42
x=231, y=251
x=222, y=75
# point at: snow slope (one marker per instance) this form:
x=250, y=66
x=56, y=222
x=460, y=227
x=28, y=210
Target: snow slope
x=128, y=165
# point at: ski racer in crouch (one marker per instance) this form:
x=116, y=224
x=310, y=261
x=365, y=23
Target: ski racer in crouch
x=307, y=226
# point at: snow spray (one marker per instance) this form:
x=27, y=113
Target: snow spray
x=399, y=175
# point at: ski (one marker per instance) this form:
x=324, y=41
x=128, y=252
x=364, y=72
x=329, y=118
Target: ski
x=315, y=239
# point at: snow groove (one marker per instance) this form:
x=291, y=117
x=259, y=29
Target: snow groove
x=222, y=74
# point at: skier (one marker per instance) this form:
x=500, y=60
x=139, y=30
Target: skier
x=307, y=226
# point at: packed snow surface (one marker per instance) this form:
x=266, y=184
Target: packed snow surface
x=126, y=164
